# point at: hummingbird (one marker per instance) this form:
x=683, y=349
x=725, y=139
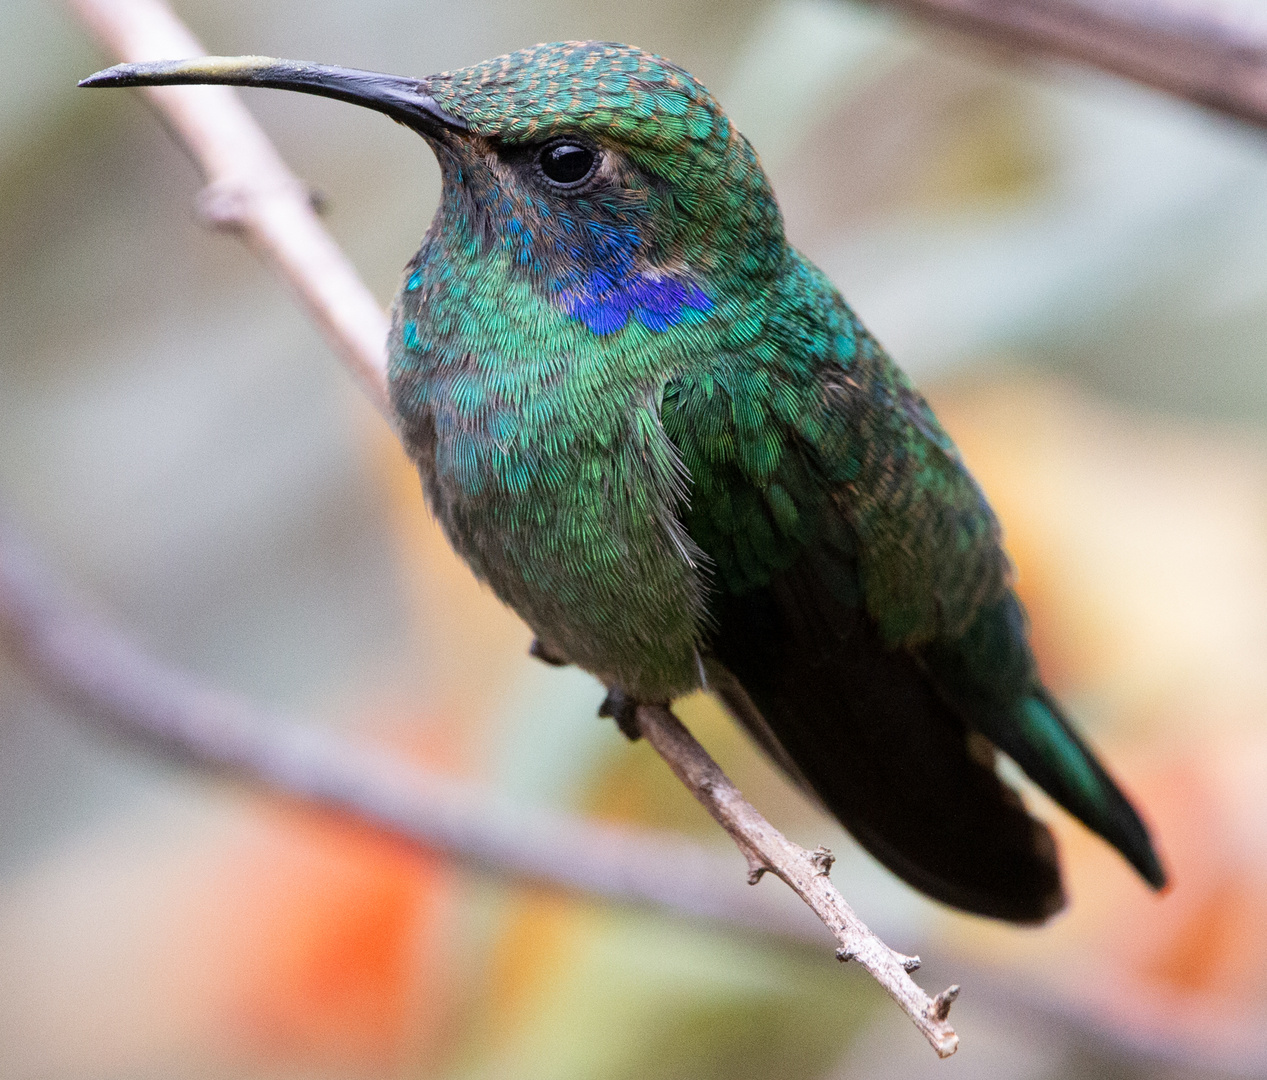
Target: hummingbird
x=659, y=433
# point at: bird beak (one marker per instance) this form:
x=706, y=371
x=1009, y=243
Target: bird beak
x=404, y=100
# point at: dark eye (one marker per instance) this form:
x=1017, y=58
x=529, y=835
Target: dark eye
x=567, y=163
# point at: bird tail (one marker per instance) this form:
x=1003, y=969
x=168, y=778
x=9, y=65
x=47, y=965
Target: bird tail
x=1037, y=736
x=860, y=725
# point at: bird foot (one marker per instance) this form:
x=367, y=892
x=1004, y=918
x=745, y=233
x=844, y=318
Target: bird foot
x=624, y=710
x=546, y=654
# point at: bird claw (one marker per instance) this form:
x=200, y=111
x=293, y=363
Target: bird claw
x=546, y=654
x=624, y=710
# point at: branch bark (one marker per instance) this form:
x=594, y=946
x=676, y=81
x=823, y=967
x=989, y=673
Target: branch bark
x=805, y=872
x=251, y=192
x=1188, y=50
x=1194, y=55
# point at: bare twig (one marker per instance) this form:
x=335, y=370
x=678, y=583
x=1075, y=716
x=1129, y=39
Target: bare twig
x=1188, y=49
x=806, y=872
x=262, y=200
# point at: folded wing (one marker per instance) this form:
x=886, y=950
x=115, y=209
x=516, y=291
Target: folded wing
x=864, y=628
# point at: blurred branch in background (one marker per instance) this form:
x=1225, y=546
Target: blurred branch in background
x=1188, y=49
x=83, y=662
x=250, y=191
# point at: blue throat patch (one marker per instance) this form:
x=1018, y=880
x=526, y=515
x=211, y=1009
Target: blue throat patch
x=607, y=303
x=604, y=287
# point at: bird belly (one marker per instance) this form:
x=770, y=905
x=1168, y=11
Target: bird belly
x=583, y=548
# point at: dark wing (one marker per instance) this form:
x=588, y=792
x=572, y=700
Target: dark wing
x=859, y=724
x=851, y=554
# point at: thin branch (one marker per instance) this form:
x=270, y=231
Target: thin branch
x=805, y=872
x=1187, y=49
x=252, y=191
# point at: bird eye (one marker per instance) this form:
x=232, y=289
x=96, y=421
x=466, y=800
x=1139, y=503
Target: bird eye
x=567, y=163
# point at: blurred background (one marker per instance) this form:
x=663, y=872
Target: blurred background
x=1072, y=269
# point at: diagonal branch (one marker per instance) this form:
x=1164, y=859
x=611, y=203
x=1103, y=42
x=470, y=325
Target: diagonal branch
x=1189, y=49
x=805, y=872
x=89, y=666
x=250, y=191
x=86, y=664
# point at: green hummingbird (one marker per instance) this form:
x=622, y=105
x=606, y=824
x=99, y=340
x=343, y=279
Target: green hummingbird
x=659, y=433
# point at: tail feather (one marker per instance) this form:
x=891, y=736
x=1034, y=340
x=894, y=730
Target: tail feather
x=1044, y=744
x=988, y=676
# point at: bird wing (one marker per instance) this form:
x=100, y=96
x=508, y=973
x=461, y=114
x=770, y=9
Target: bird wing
x=861, y=610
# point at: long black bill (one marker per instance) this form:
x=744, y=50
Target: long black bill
x=405, y=100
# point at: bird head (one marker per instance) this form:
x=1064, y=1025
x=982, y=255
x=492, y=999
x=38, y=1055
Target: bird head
x=606, y=176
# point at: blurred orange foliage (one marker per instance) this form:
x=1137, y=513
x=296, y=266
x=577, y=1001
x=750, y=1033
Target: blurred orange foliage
x=336, y=934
